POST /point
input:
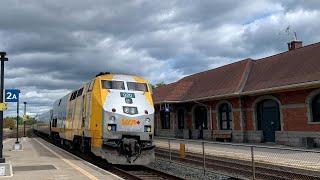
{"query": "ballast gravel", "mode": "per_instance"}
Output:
(185, 171)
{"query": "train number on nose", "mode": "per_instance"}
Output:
(129, 122)
(127, 95)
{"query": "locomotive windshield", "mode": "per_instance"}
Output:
(133, 86)
(113, 84)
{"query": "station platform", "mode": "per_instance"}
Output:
(42, 160)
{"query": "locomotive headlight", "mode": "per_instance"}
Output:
(132, 111)
(109, 128)
(128, 100)
(147, 128)
(112, 127)
(126, 110)
(148, 120)
(112, 119)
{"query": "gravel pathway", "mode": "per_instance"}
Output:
(185, 172)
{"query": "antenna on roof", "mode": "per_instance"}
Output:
(291, 35)
(295, 36)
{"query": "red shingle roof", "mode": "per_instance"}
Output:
(291, 67)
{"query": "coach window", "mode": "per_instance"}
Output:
(91, 86)
(316, 109)
(225, 116)
(79, 93)
(165, 119)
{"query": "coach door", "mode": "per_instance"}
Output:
(268, 119)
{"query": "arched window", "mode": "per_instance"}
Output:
(316, 109)
(225, 117)
(180, 116)
(165, 119)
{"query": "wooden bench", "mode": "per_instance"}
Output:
(224, 136)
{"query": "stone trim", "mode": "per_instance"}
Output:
(295, 138)
(293, 106)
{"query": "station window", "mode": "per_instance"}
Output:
(225, 116)
(316, 109)
(180, 116)
(165, 119)
(112, 84)
(133, 86)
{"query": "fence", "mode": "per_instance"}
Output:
(242, 160)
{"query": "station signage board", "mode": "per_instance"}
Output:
(12, 95)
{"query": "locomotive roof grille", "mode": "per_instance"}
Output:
(102, 73)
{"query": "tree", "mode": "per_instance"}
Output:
(9, 122)
(11, 119)
(160, 84)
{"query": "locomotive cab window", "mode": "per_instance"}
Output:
(112, 84)
(133, 86)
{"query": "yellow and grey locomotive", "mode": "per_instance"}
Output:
(111, 116)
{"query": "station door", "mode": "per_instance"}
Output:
(268, 119)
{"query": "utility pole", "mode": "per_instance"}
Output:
(24, 121)
(2, 59)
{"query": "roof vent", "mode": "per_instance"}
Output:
(102, 73)
(294, 45)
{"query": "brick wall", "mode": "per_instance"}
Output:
(293, 109)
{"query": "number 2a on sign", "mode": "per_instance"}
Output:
(11, 96)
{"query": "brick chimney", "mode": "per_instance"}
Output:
(294, 45)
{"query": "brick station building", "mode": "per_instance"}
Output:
(273, 99)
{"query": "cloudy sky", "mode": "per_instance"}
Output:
(55, 46)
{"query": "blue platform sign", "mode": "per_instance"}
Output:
(12, 95)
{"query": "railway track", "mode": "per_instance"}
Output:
(238, 168)
(142, 172)
(126, 172)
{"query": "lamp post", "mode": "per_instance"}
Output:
(17, 140)
(25, 116)
(2, 59)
